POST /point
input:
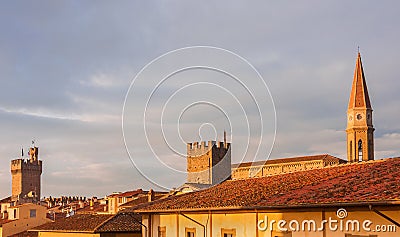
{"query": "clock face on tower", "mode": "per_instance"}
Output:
(359, 116)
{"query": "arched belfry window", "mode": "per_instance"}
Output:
(360, 150)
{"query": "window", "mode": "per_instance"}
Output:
(281, 234)
(32, 213)
(190, 232)
(228, 232)
(162, 231)
(15, 213)
(360, 150)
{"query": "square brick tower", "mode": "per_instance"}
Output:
(208, 163)
(26, 174)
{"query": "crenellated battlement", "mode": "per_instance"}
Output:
(208, 162)
(25, 164)
(200, 148)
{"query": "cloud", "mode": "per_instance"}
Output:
(43, 114)
(102, 80)
(65, 68)
(387, 145)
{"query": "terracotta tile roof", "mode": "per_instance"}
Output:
(24, 204)
(7, 199)
(135, 202)
(97, 207)
(122, 222)
(324, 157)
(142, 199)
(55, 215)
(131, 193)
(373, 181)
(75, 223)
(128, 193)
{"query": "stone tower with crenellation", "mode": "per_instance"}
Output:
(26, 174)
(208, 162)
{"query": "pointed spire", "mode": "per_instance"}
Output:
(359, 93)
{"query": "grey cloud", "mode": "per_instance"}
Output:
(76, 59)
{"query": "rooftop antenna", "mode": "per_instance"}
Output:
(358, 49)
(22, 151)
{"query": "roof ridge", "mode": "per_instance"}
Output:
(120, 217)
(322, 157)
(104, 222)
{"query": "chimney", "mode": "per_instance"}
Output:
(150, 195)
(225, 145)
(33, 154)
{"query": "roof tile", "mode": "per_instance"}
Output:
(350, 183)
(75, 223)
(122, 222)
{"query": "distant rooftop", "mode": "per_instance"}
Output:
(121, 222)
(325, 157)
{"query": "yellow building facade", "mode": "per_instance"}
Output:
(312, 222)
(24, 217)
(283, 166)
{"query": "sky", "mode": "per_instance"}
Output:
(67, 68)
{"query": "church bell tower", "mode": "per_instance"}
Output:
(360, 131)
